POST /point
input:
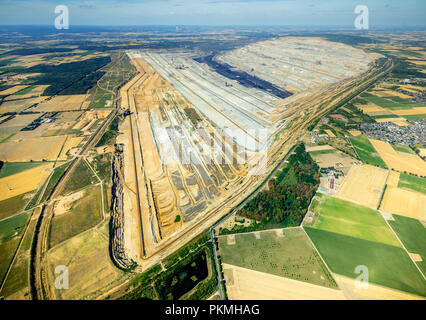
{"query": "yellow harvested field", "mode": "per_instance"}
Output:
(19, 105)
(62, 103)
(32, 149)
(319, 148)
(246, 284)
(412, 111)
(418, 62)
(364, 185)
(393, 179)
(390, 119)
(24, 181)
(399, 161)
(330, 133)
(12, 90)
(354, 132)
(36, 91)
(411, 87)
(404, 202)
(386, 93)
(373, 292)
(422, 152)
(370, 108)
(402, 123)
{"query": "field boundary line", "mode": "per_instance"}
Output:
(382, 194)
(265, 230)
(344, 179)
(421, 272)
(319, 254)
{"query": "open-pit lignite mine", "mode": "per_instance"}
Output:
(196, 142)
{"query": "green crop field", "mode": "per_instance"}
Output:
(290, 255)
(320, 152)
(10, 168)
(13, 205)
(81, 177)
(384, 116)
(4, 137)
(413, 235)
(387, 265)
(402, 148)
(18, 276)
(414, 116)
(412, 182)
(366, 151)
(352, 220)
(10, 231)
(13, 226)
(24, 91)
(54, 178)
(84, 214)
(7, 250)
(391, 104)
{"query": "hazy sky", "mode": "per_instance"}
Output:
(389, 13)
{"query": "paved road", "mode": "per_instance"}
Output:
(234, 211)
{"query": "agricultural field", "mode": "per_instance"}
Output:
(412, 233)
(246, 284)
(87, 258)
(10, 168)
(11, 230)
(281, 252)
(74, 214)
(366, 151)
(348, 235)
(21, 151)
(364, 185)
(333, 158)
(24, 181)
(343, 254)
(353, 291)
(412, 182)
(353, 220)
(392, 104)
(399, 161)
(81, 177)
(402, 148)
(14, 205)
(404, 202)
(16, 285)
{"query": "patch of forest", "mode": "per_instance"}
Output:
(69, 78)
(285, 202)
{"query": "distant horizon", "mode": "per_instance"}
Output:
(318, 13)
(322, 27)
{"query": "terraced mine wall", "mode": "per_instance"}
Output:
(117, 250)
(244, 78)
